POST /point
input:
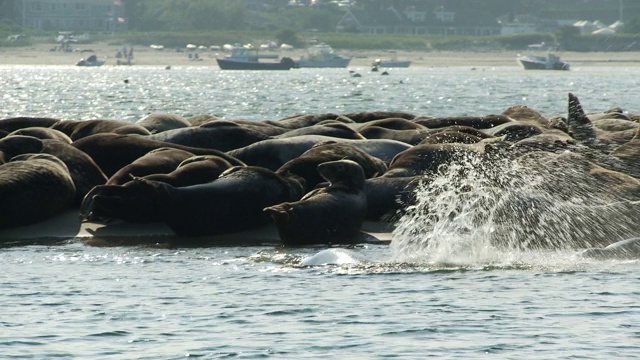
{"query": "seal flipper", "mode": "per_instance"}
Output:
(580, 126)
(279, 213)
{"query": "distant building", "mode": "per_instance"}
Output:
(413, 20)
(522, 24)
(67, 15)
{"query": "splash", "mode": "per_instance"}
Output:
(543, 205)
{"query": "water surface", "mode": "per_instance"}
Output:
(77, 301)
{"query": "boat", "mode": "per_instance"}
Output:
(540, 57)
(248, 59)
(92, 60)
(321, 55)
(394, 63)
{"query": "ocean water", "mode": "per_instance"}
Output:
(453, 297)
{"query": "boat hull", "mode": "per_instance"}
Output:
(90, 64)
(394, 64)
(232, 64)
(538, 65)
(329, 63)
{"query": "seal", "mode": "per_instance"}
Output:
(427, 159)
(306, 165)
(515, 131)
(624, 249)
(450, 136)
(21, 122)
(86, 174)
(112, 151)
(77, 129)
(273, 153)
(300, 121)
(158, 161)
(232, 203)
(580, 126)
(367, 116)
(219, 135)
(159, 122)
(259, 126)
(333, 129)
(478, 122)
(411, 137)
(387, 196)
(42, 133)
(83, 170)
(393, 123)
(331, 215)
(14, 145)
(33, 188)
(194, 170)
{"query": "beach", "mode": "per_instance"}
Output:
(46, 54)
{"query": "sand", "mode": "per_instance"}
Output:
(42, 54)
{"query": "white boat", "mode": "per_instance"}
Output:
(92, 60)
(394, 63)
(540, 57)
(248, 59)
(322, 55)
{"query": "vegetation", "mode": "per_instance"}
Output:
(176, 23)
(337, 40)
(632, 26)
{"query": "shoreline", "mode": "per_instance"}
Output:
(42, 54)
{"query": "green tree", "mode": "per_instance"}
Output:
(566, 35)
(186, 15)
(288, 36)
(632, 26)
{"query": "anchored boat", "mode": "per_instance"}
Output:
(539, 57)
(248, 59)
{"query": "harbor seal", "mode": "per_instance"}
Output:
(159, 122)
(331, 215)
(77, 129)
(21, 122)
(194, 170)
(219, 135)
(42, 133)
(625, 249)
(306, 165)
(158, 161)
(232, 203)
(428, 159)
(112, 151)
(33, 188)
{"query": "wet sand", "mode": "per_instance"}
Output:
(42, 54)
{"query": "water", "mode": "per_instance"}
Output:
(454, 296)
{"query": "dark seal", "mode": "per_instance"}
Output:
(331, 215)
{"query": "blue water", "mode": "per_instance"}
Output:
(77, 301)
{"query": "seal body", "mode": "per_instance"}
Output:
(33, 188)
(624, 249)
(306, 164)
(331, 215)
(231, 203)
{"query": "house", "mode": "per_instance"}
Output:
(86, 15)
(522, 24)
(414, 20)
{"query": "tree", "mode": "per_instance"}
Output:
(288, 36)
(632, 26)
(566, 34)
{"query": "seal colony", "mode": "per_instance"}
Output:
(311, 179)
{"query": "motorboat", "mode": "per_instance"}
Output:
(92, 60)
(242, 58)
(539, 57)
(321, 55)
(394, 63)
